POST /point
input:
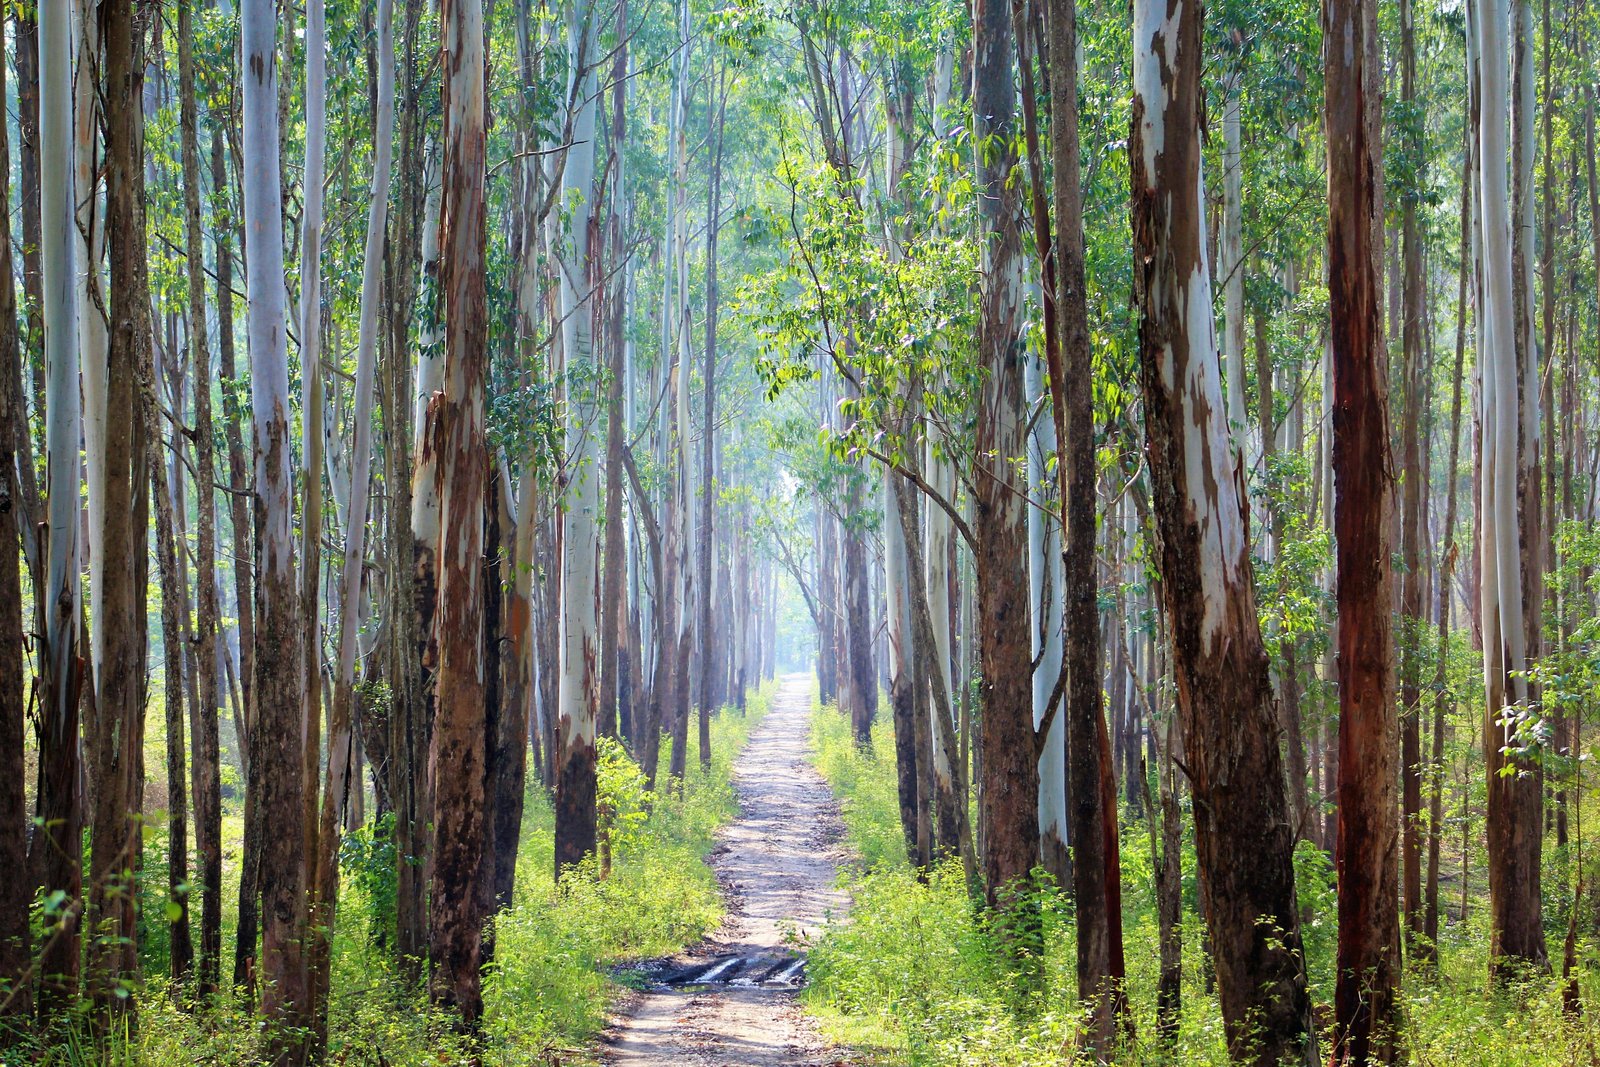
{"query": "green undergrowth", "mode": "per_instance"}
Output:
(917, 975)
(549, 988)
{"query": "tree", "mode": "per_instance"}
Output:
(1243, 839)
(580, 565)
(708, 475)
(15, 456)
(1009, 806)
(1092, 801)
(1515, 818)
(1369, 937)
(116, 726)
(59, 847)
(207, 773)
(341, 778)
(276, 746)
(456, 429)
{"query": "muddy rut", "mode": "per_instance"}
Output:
(732, 1002)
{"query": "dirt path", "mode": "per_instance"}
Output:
(732, 1003)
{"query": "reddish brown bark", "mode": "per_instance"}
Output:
(1415, 476)
(16, 892)
(1008, 808)
(457, 437)
(116, 732)
(203, 716)
(1369, 937)
(1091, 800)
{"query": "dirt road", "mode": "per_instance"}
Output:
(732, 1003)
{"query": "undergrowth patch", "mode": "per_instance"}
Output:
(916, 976)
(547, 990)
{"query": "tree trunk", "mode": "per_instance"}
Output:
(1515, 816)
(408, 706)
(118, 730)
(340, 776)
(1009, 807)
(167, 491)
(207, 775)
(26, 36)
(508, 738)
(704, 545)
(1414, 487)
(457, 439)
(1447, 553)
(314, 439)
(1366, 1019)
(1244, 842)
(16, 896)
(414, 519)
(1092, 802)
(277, 767)
(580, 581)
(613, 659)
(942, 704)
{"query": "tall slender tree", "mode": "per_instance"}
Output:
(60, 846)
(276, 743)
(580, 584)
(16, 953)
(1243, 839)
(1515, 819)
(1008, 808)
(117, 735)
(206, 747)
(457, 439)
(1365, 1000)
(1092, 800)
(341, 775)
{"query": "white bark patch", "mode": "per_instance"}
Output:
(1208, 476)
(1151, 24)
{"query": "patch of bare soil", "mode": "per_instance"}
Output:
(732, 1002)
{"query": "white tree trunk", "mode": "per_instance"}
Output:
(1046, 580)
(1501, 591)
(355, 533)
(58, 253)
(429, 374)
(941, 476)
(312, 418)
(1232, 259)
(578, 699)
(93, 332)
(277, 744)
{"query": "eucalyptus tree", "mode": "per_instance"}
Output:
(59, 847)
(313, 458)
(16, 1002)
(579, 709)
(207, 769)
(1243, 839)
(1008, 809)
(1092, 798)
(340, 777)
(116, 725)
(457, 758)
(1515, 816)
(1365, 1004)
(277, 745)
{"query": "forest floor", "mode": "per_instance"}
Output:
(732, 1002)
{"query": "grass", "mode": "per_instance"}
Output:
(916, 975)
(547, 992)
